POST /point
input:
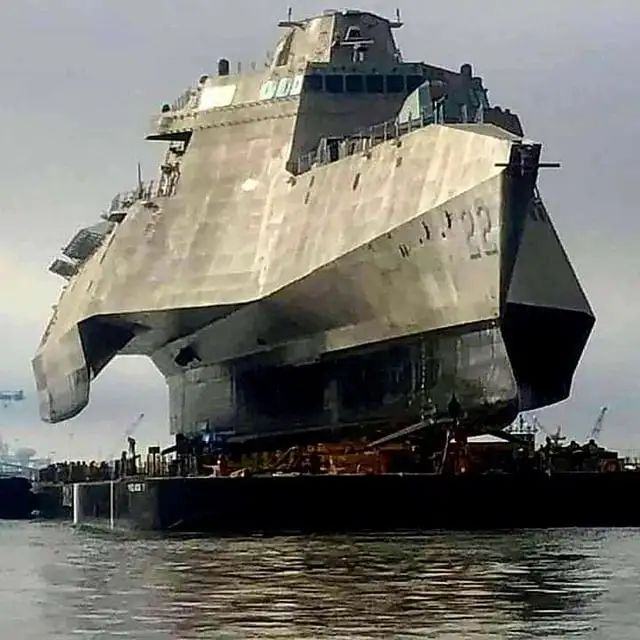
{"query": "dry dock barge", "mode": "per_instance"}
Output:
(484, 482)
(359, 502)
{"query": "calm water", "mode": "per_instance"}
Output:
(60, 583)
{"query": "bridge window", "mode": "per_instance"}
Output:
(334, 84)
(395, 84)
(413, 82)
(313, 82)
(355, 84)
(375, 84)
(267, 92)
(284, 87)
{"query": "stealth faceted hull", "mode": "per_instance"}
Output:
(401, 266)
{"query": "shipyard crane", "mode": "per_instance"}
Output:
(556, 437)
(7, 397)
(598, 424)
(129, 431)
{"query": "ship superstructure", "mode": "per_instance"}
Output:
(341, 238)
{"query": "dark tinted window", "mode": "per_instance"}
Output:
(355, 84)
(375, 84)
(395, 84)
(413, 82)
(333, 148)
(334, 84)
(313, 83)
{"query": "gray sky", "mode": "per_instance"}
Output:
(80, 78)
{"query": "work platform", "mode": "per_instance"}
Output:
(326, 503)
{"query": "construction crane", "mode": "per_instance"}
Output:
(556, 437)
(7, 397)
(598, 424)
(129, 431)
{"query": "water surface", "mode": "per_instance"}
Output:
(61, 583)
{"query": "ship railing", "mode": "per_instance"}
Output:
(165, 187)
(170, 125)
(177, 117)
(630, 459)
(50, 324)
(155, 466)
(187, 100)
(362, 142)
(126, 199)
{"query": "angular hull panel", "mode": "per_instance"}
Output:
(545, 328)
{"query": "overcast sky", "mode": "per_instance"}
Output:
(80, 78)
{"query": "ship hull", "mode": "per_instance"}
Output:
(357, 296)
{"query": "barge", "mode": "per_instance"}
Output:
(487, 482)
(346, 503)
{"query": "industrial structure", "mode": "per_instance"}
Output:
(9, 397)
(340, 242)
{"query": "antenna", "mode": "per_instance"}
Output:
(398, 22)
(139, 180)
(289, 22)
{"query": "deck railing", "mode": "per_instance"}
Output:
(187, 100)
(123, 201)
(361, 142)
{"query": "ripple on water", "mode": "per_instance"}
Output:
(60, 583)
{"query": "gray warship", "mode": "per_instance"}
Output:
(340, 239)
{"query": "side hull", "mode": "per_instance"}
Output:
(360, 502)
